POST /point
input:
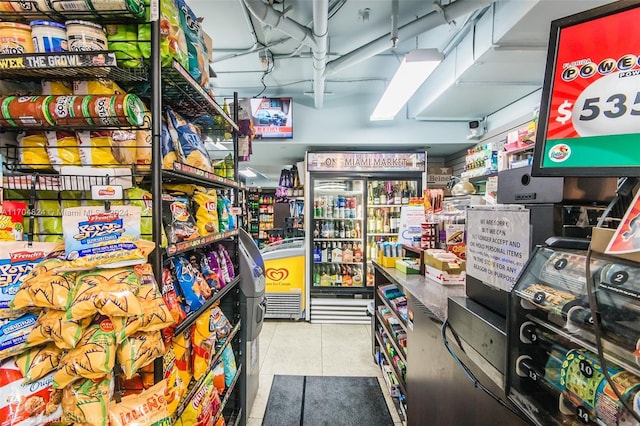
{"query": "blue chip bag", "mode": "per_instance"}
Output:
(14, 333)
(195, 290)
(229, 364)
(169, 155)
(187, 143)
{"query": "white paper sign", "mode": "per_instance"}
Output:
(411, 219)
(497, 244)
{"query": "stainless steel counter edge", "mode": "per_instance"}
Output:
(431, 294)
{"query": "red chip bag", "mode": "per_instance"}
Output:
(171, 297)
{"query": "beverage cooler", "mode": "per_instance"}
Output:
(357, 200)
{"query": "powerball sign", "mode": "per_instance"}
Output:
(594, 110)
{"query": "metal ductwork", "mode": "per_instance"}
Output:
(317, 39)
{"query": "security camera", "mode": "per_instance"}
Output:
(476, 129)
(474, 124)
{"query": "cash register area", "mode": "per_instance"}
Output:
(301, 348)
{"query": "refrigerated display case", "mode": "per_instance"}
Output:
(357, 200)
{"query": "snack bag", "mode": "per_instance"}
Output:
(218, 264)
(13, 334)
(25, 403)
(12, 221)
(46, 288)
(123, 146)
(50, 216)
(155, 313)
(170, 296)
(203, 341)
(187, 142)
(223, 215)
(86, 402)
(110, 292)
(53, 326)
(139, 350)
(109, 239)
(96, 148)
(169, 155)
(218, 377)
(94, 356)
(140, 198)
(198, 59)
(50, 87)
(17, 259)
(62, 148)
(99, 86)
(211, 277)
(220, 323)
(200, 411)
(176, 388)
(123, 38)
(229, 363)
(206, 211)
(38, 361)
(194, 288)
(178, 220)
(225, 261)
(32, 148)
(146, 409)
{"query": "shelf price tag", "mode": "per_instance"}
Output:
(106, 192)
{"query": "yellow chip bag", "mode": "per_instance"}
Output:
(32, 148)
(94, 356)
(38, 361)
(100, 86)
(155, 313)
(202, 408)
(62, 148)
(95, 237)
(203, 339)
(146, 409)
(86, 403)
(42, 288)
(53, 326)
(144, 142)
(123, 146)
(206, 211)
(138, 351)
(96, 148)
(50, 87)
(111, 292)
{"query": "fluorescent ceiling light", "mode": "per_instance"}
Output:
(414, 69)
(248, 173)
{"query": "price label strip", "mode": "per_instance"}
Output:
(594, 110)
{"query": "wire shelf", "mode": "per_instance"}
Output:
(62, 10)
(71, 66)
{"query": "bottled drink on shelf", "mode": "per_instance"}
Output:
(324, 253)
(357, 253)
(334, 274)
(316, 230)
(371, 220)
(378, 226)
(357, 276)
(342, 205)
(338, 276)
(317, 255)
(369, 193)
(336, 253)
(356, 230)
(342, 230)
(405, 194)
(325, 278)
(383, 195)
(347, 280)
(376, 193)
(386, 223)
(397, 195)
(316, 275)
(347, 253)
(369, 275)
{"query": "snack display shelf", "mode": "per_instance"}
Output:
(191, 99)
(66, 182)
(234, 418)
(384, 300)
(399, 349)
(197, 243)
(401, 383)
(68, 66)
(337, 239)
(227, 393)
(184, 173)
(29, 11)
(188, 322)
(195, 385)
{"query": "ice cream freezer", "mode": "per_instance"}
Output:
(284, 263)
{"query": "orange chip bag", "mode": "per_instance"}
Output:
(203, 340)
(39, 361)
(94, 356)
(111, 292)
(138, 351)
(87, 403)
(51, 289)
(53, 326)
(146, 409)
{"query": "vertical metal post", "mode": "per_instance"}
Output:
(156, 165)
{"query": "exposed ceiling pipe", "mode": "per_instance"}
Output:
(395, 11)
(428, 22)
(317, 39)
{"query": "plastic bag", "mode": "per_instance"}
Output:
(123, 38)
(13, 334)
(211, 277)
(198, 58)
(206, 211)
(200, 411)
(187, 142)
(229, 363)
(96, 148)
(221, 324)
(12, 221)
(123, 146)
(53, 326)
(139, 350)
(225, 261)
(146, 409)
(32, 147)
(178, 220)
(155, 313)
(62, 148)
(171, 297)
(38, 361)
(49, 216)
(193, 287)
(203, 340)
(169, 155)
(46, 288)
(86, 402)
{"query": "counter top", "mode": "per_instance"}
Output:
(431, 294)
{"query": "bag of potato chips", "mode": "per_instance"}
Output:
(13, 335)
(46, 288)
(112, 292)
(32, 147)
(96, 148)
(155, 313)
(200, 411)
(148, 408)
(94, 356)
(53, 326)
(203, 342)
(206, 211)
(86, 402)
(139, 350)
(193, 287)
(187, 142)
(38, 361)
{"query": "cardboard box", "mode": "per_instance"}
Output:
(443, 277)
(388, 262)
(408, 266)
(452, 267)
(600, 238)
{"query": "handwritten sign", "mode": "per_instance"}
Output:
(497, 244)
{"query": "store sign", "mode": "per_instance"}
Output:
(409, 162)
(60, 60)
(411, 220)
(497, 244)
(438, 176)
(594, 106)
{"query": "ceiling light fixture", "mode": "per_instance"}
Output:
(414, 69)
(248, 173)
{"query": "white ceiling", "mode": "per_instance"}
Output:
(494, 57)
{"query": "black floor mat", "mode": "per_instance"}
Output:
(320, 400)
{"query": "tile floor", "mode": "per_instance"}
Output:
(302, 348)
